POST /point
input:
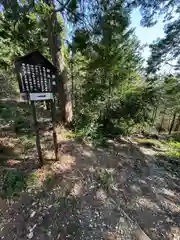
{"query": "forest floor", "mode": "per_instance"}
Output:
(128, 189)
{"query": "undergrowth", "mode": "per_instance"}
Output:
(104, 178)
(14, 182)
(169, 158)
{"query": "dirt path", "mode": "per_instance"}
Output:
(153, 196)
(97, 194)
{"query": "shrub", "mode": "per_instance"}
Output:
(14, 183)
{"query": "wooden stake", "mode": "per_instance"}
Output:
(53, 111)
(38, 144)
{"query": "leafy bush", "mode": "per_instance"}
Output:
(116, 115)
(8, 83)
(14, 183)
(173, 148)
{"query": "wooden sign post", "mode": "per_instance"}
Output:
(37, 82)
(54, 129)
(38, 143)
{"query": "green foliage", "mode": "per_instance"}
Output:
(173, 144)
(111, 96)
(173, 148)
(174, 153)
(175, 137)
(8, 83)
(14, 183)
(168, 156)
(13, 43)
(117, 113)
(147, 140)
(165, 116)
(16, 115)
(23, 29)
(166, 49)
(152, 10)
(32, 180)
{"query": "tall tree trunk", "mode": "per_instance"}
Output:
(161, 124)
(177, 124)
(154, 115)
(172, 122)
(57, 59)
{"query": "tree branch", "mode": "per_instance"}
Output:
(172, 65)
(63, 6)
(68, 9)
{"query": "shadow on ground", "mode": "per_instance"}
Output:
(92, 193)
(72, 202)
(17, 134)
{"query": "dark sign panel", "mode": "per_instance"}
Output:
(36, 74)
(35, 79)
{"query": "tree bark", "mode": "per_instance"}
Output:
(177, 124)
(172, 123)
(154, 115)
(57, 59)
(161, 124)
